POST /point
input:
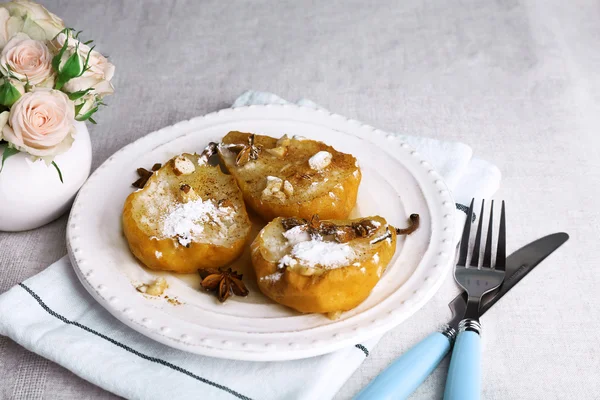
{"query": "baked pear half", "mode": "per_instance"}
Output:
(188, 216)
(322, 266)
(291, 177)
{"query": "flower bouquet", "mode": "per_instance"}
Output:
(49, 79)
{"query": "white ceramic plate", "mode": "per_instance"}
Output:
(396, 182)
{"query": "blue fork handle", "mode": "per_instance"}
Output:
(464, 374)
(405, 374)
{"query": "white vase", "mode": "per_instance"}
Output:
(31, 193)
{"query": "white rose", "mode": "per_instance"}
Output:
(41, 123)
(37, 21)
(27, 59)
(9, 26)
(3, 121)
(100, 71)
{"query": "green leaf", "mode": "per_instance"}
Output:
(9, 71)
(92, 120)
(58, 170)
(87, 115)
(77, 95)
(8, 94)
(8, 152)
(87, 61)
(58, 57)
(72, 68)
(88, 42)
(78, 108)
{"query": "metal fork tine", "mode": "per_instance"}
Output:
(487, 256)
(501, 252)
(464, 241)
(477, 247)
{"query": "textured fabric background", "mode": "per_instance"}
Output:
(516, 79)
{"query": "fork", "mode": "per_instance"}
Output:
(464, 374)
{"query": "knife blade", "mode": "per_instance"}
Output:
(406, 373)
(518, 265)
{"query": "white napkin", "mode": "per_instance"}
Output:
(51, 314)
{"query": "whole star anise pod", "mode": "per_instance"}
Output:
(247, 152)
(223, 282)
(144, 175)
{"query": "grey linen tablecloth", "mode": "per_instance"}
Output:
(517, 80)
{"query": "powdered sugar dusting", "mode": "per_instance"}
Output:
(312, 253)
(185, 221)
(296, 235)
(272, 278)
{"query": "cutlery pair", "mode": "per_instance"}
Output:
(405, 374)
(464, 375)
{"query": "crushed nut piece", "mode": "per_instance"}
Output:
(155, 288)
(288, 188)
(273, 188)
(187, 193)
(320, 160)
(283, 141)
(279, 151)
(183, 166)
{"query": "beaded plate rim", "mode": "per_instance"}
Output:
(431, 277)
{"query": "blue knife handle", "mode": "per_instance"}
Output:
(464, 374)
(405, 374)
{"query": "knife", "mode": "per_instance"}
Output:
(405, 374)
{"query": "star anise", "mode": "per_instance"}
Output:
(223, 282)
(144, 175)
(247, 152)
